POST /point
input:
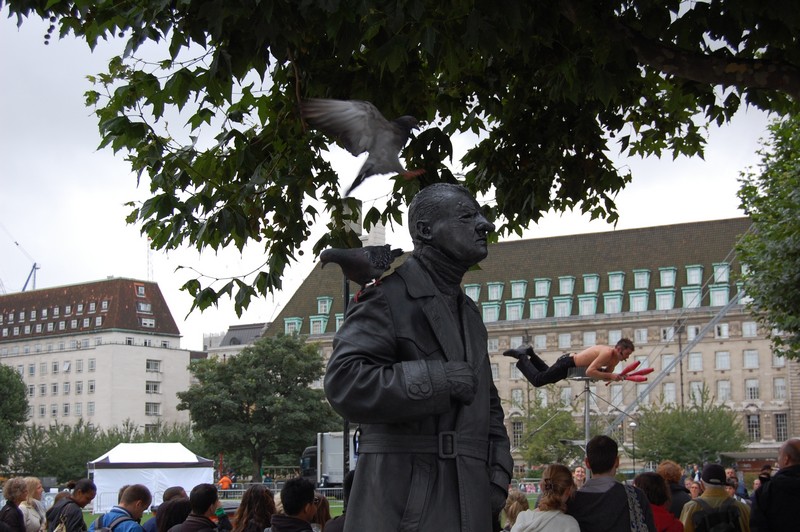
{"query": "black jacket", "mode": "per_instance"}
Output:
(776, 504)
(195, 523)
(12, 516)
(680, 496)
(286, 523)
(72, 513)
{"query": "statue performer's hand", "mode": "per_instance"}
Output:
(462, 381)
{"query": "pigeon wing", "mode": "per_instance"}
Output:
(355, 124)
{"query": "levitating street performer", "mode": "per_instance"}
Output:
(599, 361)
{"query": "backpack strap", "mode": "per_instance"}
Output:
(119, 520)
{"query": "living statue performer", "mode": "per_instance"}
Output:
(410, 364)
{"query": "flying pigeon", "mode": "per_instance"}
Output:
(360, 127)
(362, 265)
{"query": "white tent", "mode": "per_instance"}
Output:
(156, 465)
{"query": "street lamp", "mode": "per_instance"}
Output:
(633, 426)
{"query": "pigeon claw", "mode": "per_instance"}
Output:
(408, 175)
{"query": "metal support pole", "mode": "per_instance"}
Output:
(346, 428)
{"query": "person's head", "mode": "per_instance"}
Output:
(687, 483)
(789, 453)
(35, 488)
(730, 472)
(15, 490)
(713, 476)
(624, 348)
(654, 487)
(323, 514)
(136, 499)
(670, 471)
(203, 499)
(730, 487)
(174, 492)
(257, 508)
(695, 489)
(556, 487)
(447, 217)
(84, 492)
(120, 492)
(579, 475)
(172, 512)
(602, 455)
(298, 499)
(516, 503)
(756, 483)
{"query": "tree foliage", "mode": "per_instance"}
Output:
(545, 424)
(552, 87)
(260, 402)
(692, 434)
(13, 410)
(772, 249)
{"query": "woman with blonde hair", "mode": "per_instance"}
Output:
(556, 486)
(32, 507)
(516, 503)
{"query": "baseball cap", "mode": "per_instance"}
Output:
(714, 474)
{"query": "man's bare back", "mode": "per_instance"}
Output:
(600, 361)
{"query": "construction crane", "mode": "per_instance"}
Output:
(32, 273)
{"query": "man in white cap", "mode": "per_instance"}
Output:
(715, 503)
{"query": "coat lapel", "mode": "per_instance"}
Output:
(474, 332)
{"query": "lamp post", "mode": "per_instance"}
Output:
(633, 426)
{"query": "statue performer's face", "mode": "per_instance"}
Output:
(460, 229)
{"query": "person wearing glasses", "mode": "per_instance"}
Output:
(300, 503)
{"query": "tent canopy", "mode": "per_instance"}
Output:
(156, 465)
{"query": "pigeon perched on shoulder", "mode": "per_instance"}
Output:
(360, 127)
(362, 265)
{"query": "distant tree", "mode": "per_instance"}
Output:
(554, 88)
(771, 250)
(692, 434)
(545, 424)
(260, 402)
(13, 410)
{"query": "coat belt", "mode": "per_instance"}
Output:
(447, 444)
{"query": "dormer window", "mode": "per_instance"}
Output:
(616, 280)
(591, 283)
(518, 289)
(668, 276)
(495, 291)
(641, 279)
(694, 274)
(541, 287)
(473, 291)
(721, 272)
(566, 285)
(324, 305)
(139, 290)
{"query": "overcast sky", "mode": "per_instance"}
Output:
(62, 200)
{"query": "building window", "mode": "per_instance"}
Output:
(78, 409)
(694, 274)
(54, 367)
(491, 312)
(65, 388)
(564, 340)
(517, 398)
(42, 410)
(566, 285)
(153, 366)
(62, 325)
(667, 334)
(493, 345)
(566, 395)
(667, 275)
(92, 364)
(721, 272)
(90, 408)
(616, 280)
(589, 338)
(754, 427)
(516, 433)
(750, 360)
(691, 296)
(42, 390)
(696, 391)
(165, 344)
(749, 329)
(644, 398)
(641, 279)
(513, 372)
(591, 283)
(495, 291)
(562, 306)
(778, 361)
(139, 290)
(614, 336)
(31, 369)
(67, 310)
(616, 395)
(779, 388)
(53, 410)
(318, 324)
(324, 305)
(695, 362)
(150, 323)
(665, 298)
(638, 300)
(292, 325)
(538, 308)
(152, 387)
(692, 332)
(104, 305)
(541, 287)
(587, 304)
(79, 366)
(723, 391)
(473, 291)
(143, 306)
(722, 330)
(495, 371)
(541, 395)
(540, 341)
(65, 409)
(78, 387)
(92, 307)
(31, 390)
(751, 389)
(719, 295)
(513, 310)
(722, 360)
(50, 326)
(339, 320)
(640, 336)
(781, 427)
(612, 303)
(90, 387)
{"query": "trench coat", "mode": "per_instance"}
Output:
(425, 462)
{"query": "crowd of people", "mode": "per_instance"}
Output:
(297, 508)
(665, 500)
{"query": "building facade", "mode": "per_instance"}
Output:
(105, 352)
(659, 286)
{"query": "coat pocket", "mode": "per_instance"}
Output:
(423, 475)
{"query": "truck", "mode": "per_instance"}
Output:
(322, 463)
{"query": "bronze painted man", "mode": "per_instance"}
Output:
(410, 364)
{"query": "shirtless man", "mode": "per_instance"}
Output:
(599, 361)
